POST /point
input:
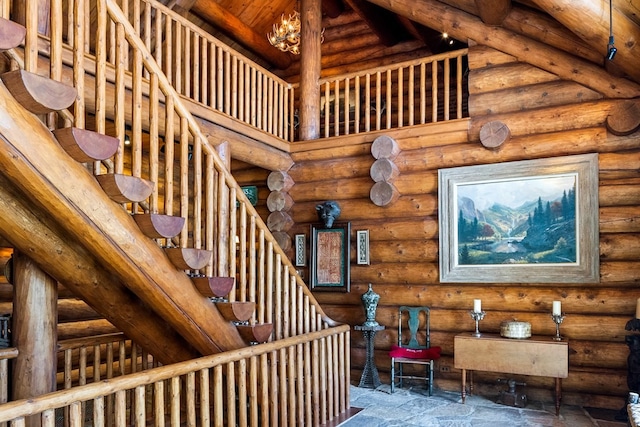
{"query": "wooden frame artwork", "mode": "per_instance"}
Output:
(300, 248)
(330, 257)
(532, 221)
(362, 245)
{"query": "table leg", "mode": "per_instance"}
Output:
(558, 394)
(464, 385)
(471, 382)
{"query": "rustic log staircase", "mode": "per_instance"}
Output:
(200, 277)
(41, 96)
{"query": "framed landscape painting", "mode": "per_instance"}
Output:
(532, 221)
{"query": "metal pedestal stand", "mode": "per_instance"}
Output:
(370, 377)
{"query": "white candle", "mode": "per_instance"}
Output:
(638, 309)
(477, 306)
(556, 308)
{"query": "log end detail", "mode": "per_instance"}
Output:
(125, 188)
(493, 134)
(258, 333)
(279, 221)
(279, 201)
(385, 147)
(38, 94)
(383, 193)
(86, 145)
(624, 118)
(157, 226)
(11, 34)
(236, 311)
(189, 258)
(384, 170)
(213, 287)
(283, 239)
(279, 181)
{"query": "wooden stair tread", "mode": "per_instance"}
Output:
(236, 311)
(255, 333)
(157, 226)
(38, 94)
(125, 188)
(216, 287)
(11, 34)
(189, 258)
(86, 145)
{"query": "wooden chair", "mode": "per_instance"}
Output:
(413, 348)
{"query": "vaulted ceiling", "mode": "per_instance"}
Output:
(359, 31)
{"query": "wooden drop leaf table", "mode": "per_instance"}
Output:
(538, 356)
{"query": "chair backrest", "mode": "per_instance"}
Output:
(411, 320)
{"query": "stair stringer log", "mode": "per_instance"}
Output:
(32, 232)
(34, 162)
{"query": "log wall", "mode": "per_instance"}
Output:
(547, 117)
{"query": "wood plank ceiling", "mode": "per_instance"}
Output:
(366, 31)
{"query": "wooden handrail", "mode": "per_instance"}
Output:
(331, 345)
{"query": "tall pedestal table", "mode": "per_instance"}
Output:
(539, 356)
(370, 377)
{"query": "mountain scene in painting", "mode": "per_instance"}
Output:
(517, 223)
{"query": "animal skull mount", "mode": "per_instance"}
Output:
(328, 212)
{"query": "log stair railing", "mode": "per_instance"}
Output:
(41, 95)
(257, 254)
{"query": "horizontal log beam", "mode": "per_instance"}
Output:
(462, 26)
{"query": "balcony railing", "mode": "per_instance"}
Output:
(425, 90)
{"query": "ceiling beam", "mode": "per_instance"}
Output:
(589, 20)
(384, 24)
(434, 40)
(493, 12)
(332, 8)
(221, 18)
(463, 26)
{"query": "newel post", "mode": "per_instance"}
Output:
(34, 332)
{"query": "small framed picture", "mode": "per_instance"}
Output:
(301, 250)
(362, 239)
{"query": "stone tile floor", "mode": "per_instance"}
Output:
(413, 407)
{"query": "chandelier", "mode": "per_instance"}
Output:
(286, 35)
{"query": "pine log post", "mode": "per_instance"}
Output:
(493, 134)
(224, 151)
(310, 67)
(34, 331)
(624, 118)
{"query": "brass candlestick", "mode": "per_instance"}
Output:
(557, 318)
(477, 316)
